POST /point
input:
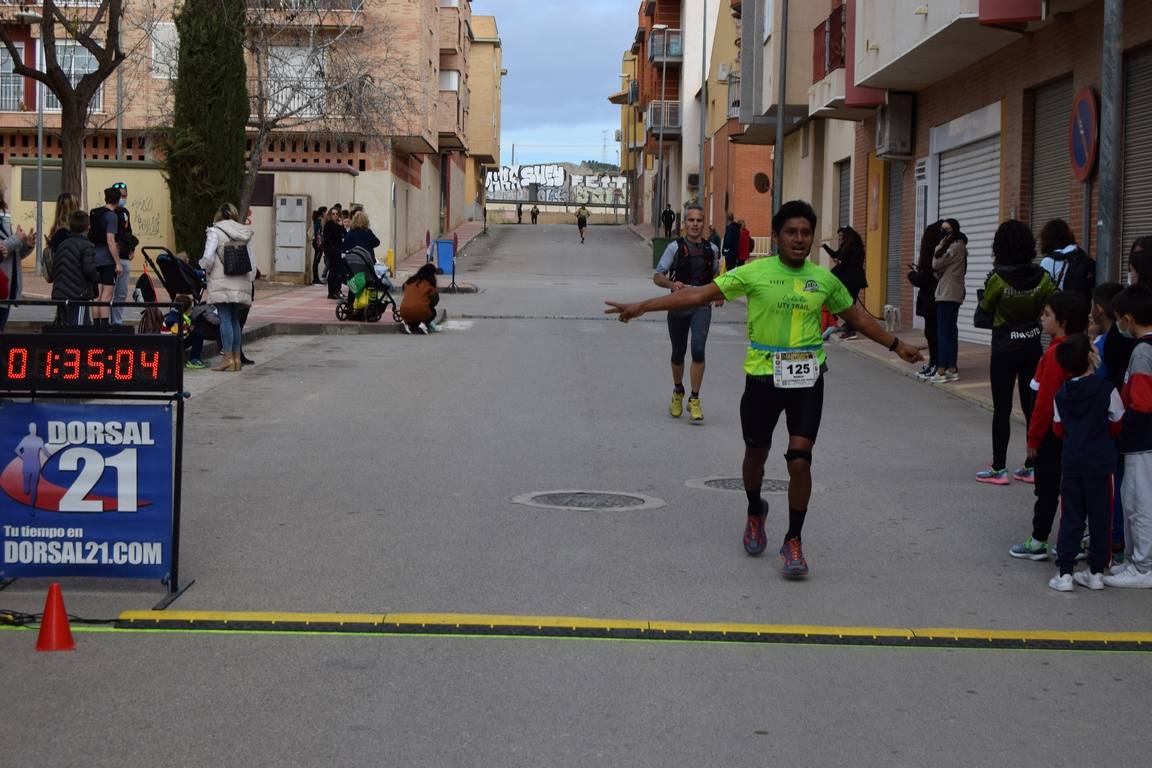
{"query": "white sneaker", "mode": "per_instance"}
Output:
(1061, 583)
(1130, 578)
(1088, 579)
(1117, 568)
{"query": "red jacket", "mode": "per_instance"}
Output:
(1049, 376)
(745, 245)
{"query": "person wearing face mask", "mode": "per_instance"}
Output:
(949, 263)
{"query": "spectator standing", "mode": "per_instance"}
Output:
(228, 292)
(744, 251)
(1140, 262)
(102, 231)
(730, 246)
(361, 235)
(924, 279)
(535, 213)
(333, 238)
(1064, 314)
(668, 219)
(1070, 268)
(14, 246)
(1133, 310)
(318, 219)
(74, 275)
(1010, 305)
(849, 268)
(126, 243)
(950, 264)
(519, 212)
(1113, 351)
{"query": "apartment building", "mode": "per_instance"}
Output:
(485, 78)
(991, 112)
(412, 176)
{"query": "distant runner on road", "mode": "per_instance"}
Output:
(582, 220)
(785, 364)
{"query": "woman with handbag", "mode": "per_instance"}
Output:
(14, 246)
(228, 266)
(1010, 304)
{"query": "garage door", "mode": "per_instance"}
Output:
(1051, 166)
(1136, 218)
(970, 193)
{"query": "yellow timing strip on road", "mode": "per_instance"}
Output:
(630, 629)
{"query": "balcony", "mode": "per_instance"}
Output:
(450, 120)
(663, 117)
(450, 27)
(829, 44)
(830, 68)
(907, 45)
(660, 40)
(306, 14)
(294, 98)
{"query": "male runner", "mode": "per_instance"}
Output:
(785, 363)
(582, 215)
(688, 261)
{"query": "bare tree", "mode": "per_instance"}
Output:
(319, 74)
(96, 29)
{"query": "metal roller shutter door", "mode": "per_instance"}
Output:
(970, 193)
(1136, 213)
(1051, 166)
(844, 204)
(896, 172)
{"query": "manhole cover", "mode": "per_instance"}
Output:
(588, 500)
(769, 485)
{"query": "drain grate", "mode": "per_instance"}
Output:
(588, 500)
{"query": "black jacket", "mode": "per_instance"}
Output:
(74, 274)
(333, 237)
(925, 280)
(1089, 449)
(850, 269)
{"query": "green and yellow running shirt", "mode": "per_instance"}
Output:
(784, 306)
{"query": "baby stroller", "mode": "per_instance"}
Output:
(180, 277)
(369, 290)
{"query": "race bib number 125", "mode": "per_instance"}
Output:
(795, 370)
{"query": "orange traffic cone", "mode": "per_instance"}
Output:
(55, 634)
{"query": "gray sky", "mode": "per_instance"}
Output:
(563, 61)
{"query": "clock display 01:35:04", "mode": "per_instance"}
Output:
(76, 364)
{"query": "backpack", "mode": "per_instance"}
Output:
(124, 237)
(1078, 275)
(95, 215)
(682, 259)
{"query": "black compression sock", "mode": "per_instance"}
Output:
(756, 505)
(795, 523)
(678, 388)
(694, 396)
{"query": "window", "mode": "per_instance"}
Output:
(165, 50)
(76, 61)
(11, 86)
(449, 80)
(295, 81)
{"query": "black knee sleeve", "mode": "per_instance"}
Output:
(795, 455)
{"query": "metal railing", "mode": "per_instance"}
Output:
(294, 96)
(306, 5)
(675, 46)
(11, 92)
(829, 44)
(663, 115)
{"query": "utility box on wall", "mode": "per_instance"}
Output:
(894, 126)
(293, 228)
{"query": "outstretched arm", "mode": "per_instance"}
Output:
(684, 298)
(859, 320)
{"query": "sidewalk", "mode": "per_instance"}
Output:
(279, 307)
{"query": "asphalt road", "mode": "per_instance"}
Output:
(377, 474)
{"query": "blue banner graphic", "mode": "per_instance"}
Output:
(85, 490)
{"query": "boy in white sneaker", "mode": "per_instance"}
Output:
(1133, 311)
(1086, 416)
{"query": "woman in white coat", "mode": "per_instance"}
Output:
(227, 292)
(14, 246)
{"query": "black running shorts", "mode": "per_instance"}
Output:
(762, 404)
(107, 274)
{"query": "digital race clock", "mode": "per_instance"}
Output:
(91, 363)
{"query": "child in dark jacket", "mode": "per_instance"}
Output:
(1064, 314)
(1086, 416)
(74, 274)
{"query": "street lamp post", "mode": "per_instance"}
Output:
(663, 29)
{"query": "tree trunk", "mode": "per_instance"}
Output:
(73, 129)
(255, 160)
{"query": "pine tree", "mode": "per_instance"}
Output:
(205, 146)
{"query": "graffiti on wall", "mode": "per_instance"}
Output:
(552, 183)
